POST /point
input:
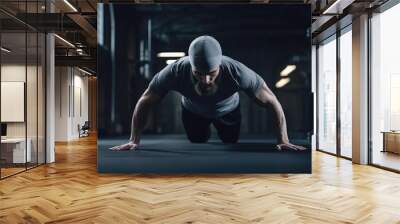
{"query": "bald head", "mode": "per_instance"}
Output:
(205, 54)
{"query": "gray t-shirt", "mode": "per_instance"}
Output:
(233, 77)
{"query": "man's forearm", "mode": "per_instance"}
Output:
(280, 119)
(139, 119)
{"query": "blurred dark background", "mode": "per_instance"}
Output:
(266, 38)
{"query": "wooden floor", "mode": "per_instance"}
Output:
(8, 171)
(5, 172)
(71, 191)
(387, 159)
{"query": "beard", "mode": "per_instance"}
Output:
(203, 90)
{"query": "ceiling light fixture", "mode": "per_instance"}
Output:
(84, 71)
(337, 7)
(289, 69)
(5, 50)
(170, 54)
(170, 61)
(70, 5)
(64, 40)
(281, 83)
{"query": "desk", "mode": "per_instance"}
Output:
(13, 150)
(391, 141)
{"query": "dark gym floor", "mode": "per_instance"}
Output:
(175, 154)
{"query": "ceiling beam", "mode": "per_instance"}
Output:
(80, 20)
(86, 26)
(85, 61)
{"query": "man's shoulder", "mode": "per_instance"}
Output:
(230, 63)
(228, 60)
(237, 69)
(177, 68)
(182, 63)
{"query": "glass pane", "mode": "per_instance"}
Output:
(32, 95)
(346, 94)
(23, 82)
(385, 84)
(41, 98)
(14, 153)
(327, 96)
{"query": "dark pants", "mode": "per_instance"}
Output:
(198, 128)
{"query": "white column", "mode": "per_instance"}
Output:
(50, 92)
(360, 90)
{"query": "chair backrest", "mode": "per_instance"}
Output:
(86, 124)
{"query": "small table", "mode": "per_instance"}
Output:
(13, 150)
(391, 141)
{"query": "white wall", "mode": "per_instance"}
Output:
(71, 93)
(80, 89)
(61, 103)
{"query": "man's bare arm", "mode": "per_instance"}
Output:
(139, 119)
(266, 98)
(140, 114)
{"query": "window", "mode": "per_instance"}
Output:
(346, 93)
(385, 88)
(327, 96)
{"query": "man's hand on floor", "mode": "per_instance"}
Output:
(289, 146)
(127, 146)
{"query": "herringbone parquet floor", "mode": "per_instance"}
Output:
(71, 191)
